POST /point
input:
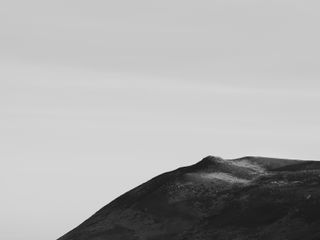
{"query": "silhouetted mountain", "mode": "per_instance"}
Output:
(248, 198)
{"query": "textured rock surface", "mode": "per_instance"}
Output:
(246, 198)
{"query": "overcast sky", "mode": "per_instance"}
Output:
(97, 97)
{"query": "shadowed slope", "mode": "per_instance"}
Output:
(245, 198)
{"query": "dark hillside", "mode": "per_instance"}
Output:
(246, 198)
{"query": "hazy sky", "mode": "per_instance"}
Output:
(97, 97)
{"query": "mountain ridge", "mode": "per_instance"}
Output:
(248, 198)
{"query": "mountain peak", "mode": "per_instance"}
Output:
(243, 198)
(209, 161)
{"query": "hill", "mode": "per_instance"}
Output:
(245, 199)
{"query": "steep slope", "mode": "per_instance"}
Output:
(245, 198)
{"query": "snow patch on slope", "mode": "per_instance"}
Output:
(247, 164)
(223, 177)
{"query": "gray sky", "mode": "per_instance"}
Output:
(97, 97)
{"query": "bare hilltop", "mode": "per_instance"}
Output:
(247, 198)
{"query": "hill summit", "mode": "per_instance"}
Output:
(248, 198)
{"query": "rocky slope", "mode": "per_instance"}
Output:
(241, 199)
